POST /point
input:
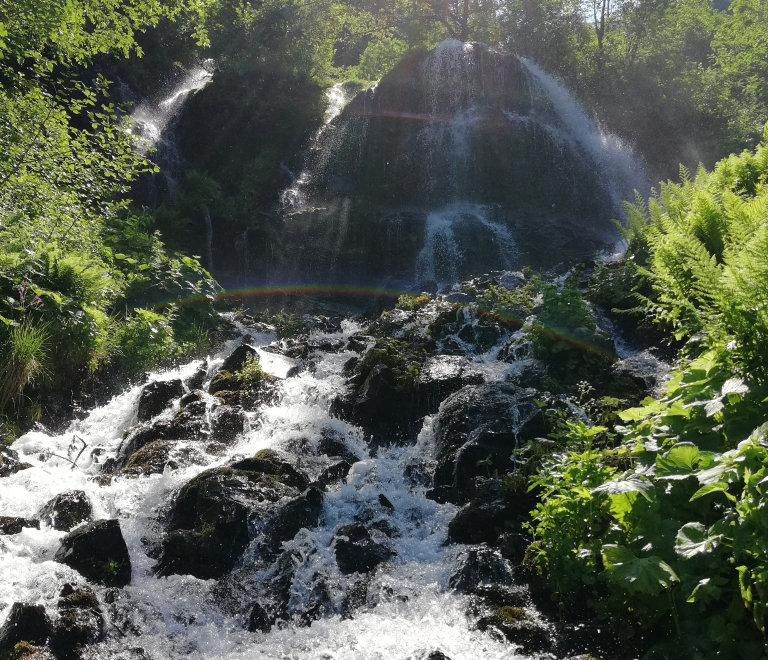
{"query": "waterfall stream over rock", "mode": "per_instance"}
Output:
(462, 126)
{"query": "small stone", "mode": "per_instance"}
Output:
(66, 510)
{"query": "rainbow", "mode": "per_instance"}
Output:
(503, 318)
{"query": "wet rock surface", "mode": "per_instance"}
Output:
(356, 551)
(98, 552)
(66, 510)
(10, 525)
(156, 397)
(80, 622)
(10, 463)
(25, 622)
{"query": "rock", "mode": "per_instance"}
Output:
(441, 376)
(227, 423)
(196, 380)
(237, 359)
(10, 525)
(184, 426)
(277, 365)
(477, 566)
(334, 474)
(390, 324)
(156, 396)
(482, 520)
(191, 397)
(477, 429)
(360, 343)
(80, 622)
(98, 552)
(435, 654)
(332, 444)
(513, 546)
(66, 510)
(151, 459)
(10, 463)
(482, 336)
(356, 551)
(304, 511)
(213, 515)
(384, 501)
(25, 623)
(259, 620)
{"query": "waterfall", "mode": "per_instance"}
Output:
(617, 163)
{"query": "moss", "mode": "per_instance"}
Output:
(412, 303)
(267, 455)
(511, 614)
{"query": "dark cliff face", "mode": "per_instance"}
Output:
(452, 153)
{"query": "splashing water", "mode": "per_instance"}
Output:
(409, 606)
(441, 258)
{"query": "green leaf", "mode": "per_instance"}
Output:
(649, 575)
(716, 487)
(692, 540)
(678, 462)
(631, 485)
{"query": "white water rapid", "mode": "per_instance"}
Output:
(410, 607)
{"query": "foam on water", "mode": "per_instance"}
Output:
(409, 607)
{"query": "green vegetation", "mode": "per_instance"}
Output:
(84, 281)
(403, 357)
(412, 303)
(659, 525)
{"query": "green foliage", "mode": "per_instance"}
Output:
(404, 358)
(412, 303)
(379, 57)
(666, 530)
(251, 374)
(518, 303)
(147, 341)
(24, 357)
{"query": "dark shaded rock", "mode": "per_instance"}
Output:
(66, 510)
(184, 426)
(482, 520)
(10, 463)
(259, 620)
(477, 429)
(384, 501)
(10, 525)
(388, 325)
(304, 511)
(98, 552)
(385, 527)
(332, 444)
(80, 622)
(430, 655)
(441, 376)
(156, 396)
(237, 359)
(191, 397)
(151, 459)
(478, 566)
(270, 464)
(196, 380)
(334, 474)
(356, 551)
(25, 623)
(516, 626)
(214, 514)
(227, 423)
(513, 546)
(360, 343)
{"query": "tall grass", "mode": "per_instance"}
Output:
(24, 360)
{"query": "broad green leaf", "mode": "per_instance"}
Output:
(734, 386)
(630, 485)
(716, 487)
(649, 575)
(692, 540)
(678, 462)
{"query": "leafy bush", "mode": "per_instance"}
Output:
(412, 303)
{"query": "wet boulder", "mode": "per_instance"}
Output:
(237, 359)
(441, 376)
(335, 473)
(356, 551)
(66, 510)
(80, 622)
(481, 336)
(483, 519)
(215, 514)
(259, 619)
(196, 380)
(227, 423)
(10, 463)
(479, 565)
(300, 512)
(98, 552)
(477, 429)
(333, 444)
(25, 623)
(151, 459)
(156, 396)
(10, 525)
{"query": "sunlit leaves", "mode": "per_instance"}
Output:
(648, 575)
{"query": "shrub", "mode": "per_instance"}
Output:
(24, 359)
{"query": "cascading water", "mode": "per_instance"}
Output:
(408, 607)
(467, 126)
